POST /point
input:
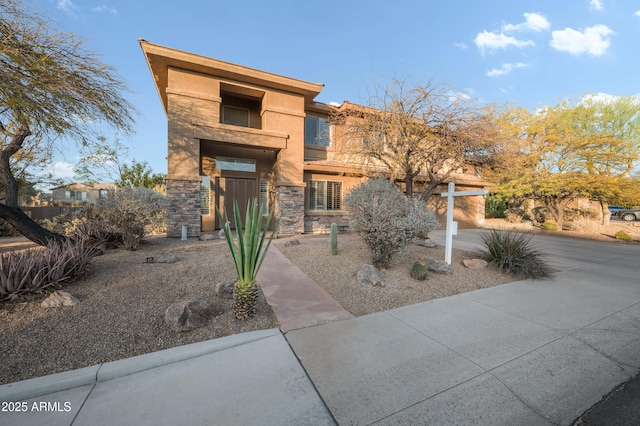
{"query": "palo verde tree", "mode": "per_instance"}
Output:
(416, 132)
(608, 130)
(555, 155)
(52, 88)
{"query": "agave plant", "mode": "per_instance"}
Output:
(248, 253)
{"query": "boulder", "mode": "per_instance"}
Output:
(370, 276)
(224, 289)
(188, 315)
(475, 263)
(429, 243)
(438, 266)
(58, 299)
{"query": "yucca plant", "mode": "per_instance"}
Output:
(512, 252)
(248, 254)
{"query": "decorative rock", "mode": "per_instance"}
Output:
(292, 243)
(425, 243)
(208, 237)
(475, 263)
(370, 276)
(59, 298)
(438, 266)
(224, 290)
(167, 258)
(188, 315)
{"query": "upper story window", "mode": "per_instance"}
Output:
(317, 131)
(235, 116)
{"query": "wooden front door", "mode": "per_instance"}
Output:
(229, 190)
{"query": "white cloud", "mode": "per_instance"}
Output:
(63, 170)
(65, 5)
(596, 5)
(492, 41)
(533, 22)
(505, 69)
(105, 9)
(594, 40)
(462, 46)
(637, 13)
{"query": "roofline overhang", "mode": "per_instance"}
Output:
(161, 58)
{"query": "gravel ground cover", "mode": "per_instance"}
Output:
(123, 298)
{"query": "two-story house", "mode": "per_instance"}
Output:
(235, 133)
(78, 193)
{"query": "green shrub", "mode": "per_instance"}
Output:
(550, 226)
(514, 215)
(419, 271)
(386, 219)
(494, 207)
(623, 235)
(512, 252)
(34, 270)
(130, 210)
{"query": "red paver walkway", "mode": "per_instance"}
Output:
(296, 300)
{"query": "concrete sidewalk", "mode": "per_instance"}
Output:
(524, 353)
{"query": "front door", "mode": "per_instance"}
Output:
(229, 190)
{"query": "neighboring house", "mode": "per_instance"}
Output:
(78, 193)
(235, 133)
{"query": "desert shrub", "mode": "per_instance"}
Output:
(494, 207)
(541, 214)
(94, 231)
(6, 230)
(623, 235)
(386, 219)
(550, 226)
(418, 271)
(514, 215)
(586, 225)
(512, 252)
(130, 210)
(33, 270)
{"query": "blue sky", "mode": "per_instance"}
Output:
(528, 53)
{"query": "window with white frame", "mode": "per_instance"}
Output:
(205, 196)
(325, 195)
(81, 196)
(317, 131)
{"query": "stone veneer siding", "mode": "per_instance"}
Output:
(184, 207)
(320, 224)
(290, 205)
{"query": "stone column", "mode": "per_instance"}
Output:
(184, 207)
(290, 209)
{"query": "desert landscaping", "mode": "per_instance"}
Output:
(124, 294)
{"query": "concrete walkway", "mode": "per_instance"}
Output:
(524, 353)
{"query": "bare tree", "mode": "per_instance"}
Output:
(415, 133)
(52, 88)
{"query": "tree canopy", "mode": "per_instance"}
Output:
(52, 88)
(417, 131)
(585, 148)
